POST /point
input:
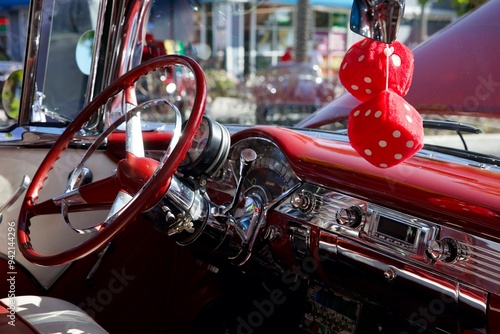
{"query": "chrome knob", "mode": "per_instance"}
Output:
(304, 201)
(390, 274)
(273, 233)
(438, 250)
(350, 217)
(247, 158)
(447, 250)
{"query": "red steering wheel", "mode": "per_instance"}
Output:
(143, 179)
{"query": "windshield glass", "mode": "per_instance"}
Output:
(275, 62)
(61, 81)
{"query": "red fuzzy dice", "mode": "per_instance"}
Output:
(386, 130)
(363, 70)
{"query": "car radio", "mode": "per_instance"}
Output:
(400, 231)
(385, 229)
(396, 232)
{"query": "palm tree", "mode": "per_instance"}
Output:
(422, 36)
(303, 29)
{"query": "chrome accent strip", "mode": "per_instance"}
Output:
(31, 59)
(98, 262)
(87, 230)
(121, 200)
(22, 187)
(94, 68)
(328, 247)
(410, 273)
(482, 265)
(473, 306)
(128, 19)
(71, 197)
(125, 22)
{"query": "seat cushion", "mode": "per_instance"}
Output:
(52, 315)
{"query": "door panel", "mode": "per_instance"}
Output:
(49, 233)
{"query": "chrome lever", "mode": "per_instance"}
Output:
(96, 265)
(24, 185)
(247, 158)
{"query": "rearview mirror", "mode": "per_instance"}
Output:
(377, 19)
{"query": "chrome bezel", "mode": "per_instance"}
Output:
(426, 231)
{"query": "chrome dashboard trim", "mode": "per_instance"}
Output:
(472, 302)
(480, 267)
(37, 10)
(427, 230)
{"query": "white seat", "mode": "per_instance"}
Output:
(51, 315)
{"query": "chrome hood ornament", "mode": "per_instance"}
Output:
(377, 19)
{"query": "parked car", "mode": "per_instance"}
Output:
(110, 224)
(288, 91)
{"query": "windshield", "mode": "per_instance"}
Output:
(60, 79)
(272, 62)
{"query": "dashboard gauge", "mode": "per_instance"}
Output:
(208, 150)
(270, 171)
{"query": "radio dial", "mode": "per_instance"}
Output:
(350, 217)
(304, 201)
(447, 250)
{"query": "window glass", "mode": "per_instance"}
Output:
(60, 80)
(322, 19)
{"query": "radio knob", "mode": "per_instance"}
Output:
(304, 201)
(350, 217)
(447, 250)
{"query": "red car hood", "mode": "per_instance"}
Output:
(456, 72)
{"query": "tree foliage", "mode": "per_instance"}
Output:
(464, 6)
(461, 6)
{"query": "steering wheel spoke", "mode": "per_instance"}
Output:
(138, 183)
(95, 193)
(134, 143)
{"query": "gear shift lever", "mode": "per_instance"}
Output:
(247, 158)
(377, 19)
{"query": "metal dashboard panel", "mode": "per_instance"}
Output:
(462, 257)
(385, 262)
